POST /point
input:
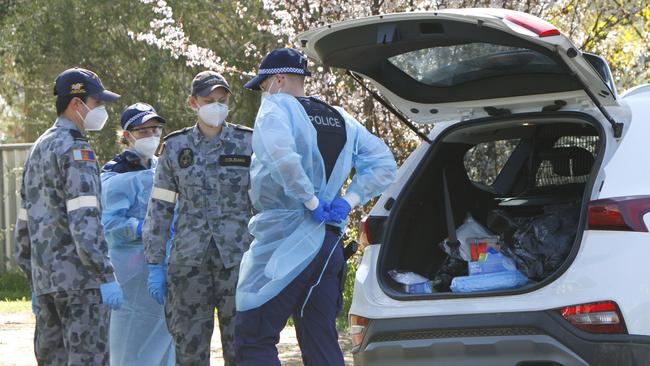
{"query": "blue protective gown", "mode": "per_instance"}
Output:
(138, 331)
(287, 170)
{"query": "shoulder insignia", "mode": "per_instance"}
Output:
(131, 158)
(77, 135)
(160, 149)
(108, 167)
(242, 128)
(83, 155)
(177, 133)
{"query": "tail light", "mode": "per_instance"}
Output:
(364, 236)
(538, 26)
(599, 317)
(370, 230)
(619, 213)
(358, 325)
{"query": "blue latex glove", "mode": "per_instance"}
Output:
(33, 303)
(112, 295)
(139, 229)
(322, 212)
(339, 210)
(156, 283)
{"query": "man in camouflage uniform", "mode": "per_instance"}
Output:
(61, 247)
(202, 179)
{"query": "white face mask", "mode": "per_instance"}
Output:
(95, 118)
(146, 146)
(213, 114)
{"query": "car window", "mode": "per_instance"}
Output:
(456, 64)
(485, 161)
(600, 65)
(579, 165)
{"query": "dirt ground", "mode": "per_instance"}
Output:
(17, 335)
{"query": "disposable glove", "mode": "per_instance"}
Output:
(139, 229)
(339, 210)
(319, 212)
(156, 283)
(112, 295)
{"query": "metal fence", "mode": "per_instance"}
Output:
(12, 160)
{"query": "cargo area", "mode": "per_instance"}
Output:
(517, 189)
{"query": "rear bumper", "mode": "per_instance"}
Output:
(517, 339)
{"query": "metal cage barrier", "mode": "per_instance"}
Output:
(12, 161)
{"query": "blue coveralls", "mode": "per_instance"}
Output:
(138, 333)
(314, 296)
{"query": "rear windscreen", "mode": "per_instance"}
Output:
(456, 64)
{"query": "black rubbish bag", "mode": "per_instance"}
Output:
(453, 266)
(538, 245)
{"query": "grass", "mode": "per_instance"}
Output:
(15, 306)
(15, 295)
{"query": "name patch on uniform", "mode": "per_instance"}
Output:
(186, 157)
(235, 160)
(83, 155)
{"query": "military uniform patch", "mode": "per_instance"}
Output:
(243, 128)
(77, 88)
(160, 149)
(235, 160)
(83, 155)
(186, 157)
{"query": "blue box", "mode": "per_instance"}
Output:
(419, 288)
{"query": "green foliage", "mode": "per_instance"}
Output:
(342, 320)
(615, 29)
(14, 286)
(42, 38)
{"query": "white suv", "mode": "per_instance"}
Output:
(533, 142)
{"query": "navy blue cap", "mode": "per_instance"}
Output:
(137, 114)
(207, 81)
(80, 82)
(279, 61)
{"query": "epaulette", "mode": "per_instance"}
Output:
(178, 132)
(77, 135)
(242, 128)
(160, 149)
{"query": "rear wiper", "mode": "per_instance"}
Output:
(390, 107)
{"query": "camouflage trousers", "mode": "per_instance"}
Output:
(71, 329)
(192, 295)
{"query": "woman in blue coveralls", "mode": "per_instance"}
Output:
(138, 332)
